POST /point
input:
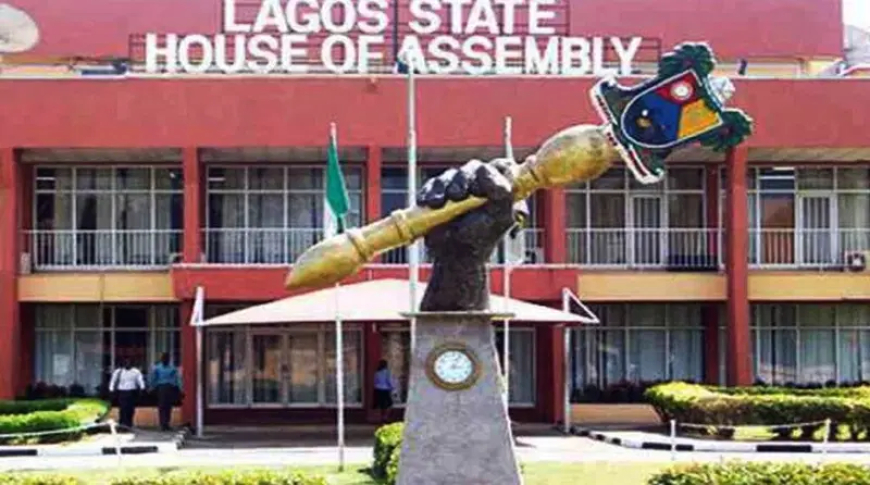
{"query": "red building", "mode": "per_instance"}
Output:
(119, 195)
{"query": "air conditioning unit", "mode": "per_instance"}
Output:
(856, 261)
(25, 264)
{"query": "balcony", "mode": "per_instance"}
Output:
(253, 246)
(53, 250)
(532, 245)
(675, 249)
(823, 249)
(283, 246)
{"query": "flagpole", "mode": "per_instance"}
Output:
(509, 153)
(566, 403)
(199, 308)
(339, 346)
(413, 251)
(339, 364)
(199, 406)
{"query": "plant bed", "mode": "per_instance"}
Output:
(738, 473)
(173, 477)
(27, 417)
(765, 413)
(544, 473)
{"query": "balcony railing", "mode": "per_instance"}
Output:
(662, 248)
(805, 248)
(96, 249)
(258, 246)
(611, 248)
(533, 248)
(283, 246)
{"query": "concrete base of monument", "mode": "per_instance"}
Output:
(456, 433)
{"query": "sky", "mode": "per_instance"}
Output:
(857, 12)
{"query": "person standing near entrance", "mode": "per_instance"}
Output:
(127, 381)
(167, 382)
(383, 391)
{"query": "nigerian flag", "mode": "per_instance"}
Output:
(337, 202)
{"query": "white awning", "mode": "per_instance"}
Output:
(382, 300)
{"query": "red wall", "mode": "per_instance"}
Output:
(451, 112)
(264, 284)
(736, 28)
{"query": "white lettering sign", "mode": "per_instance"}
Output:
(446, 37)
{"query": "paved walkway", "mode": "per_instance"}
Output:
(142, 441)
(533, 445)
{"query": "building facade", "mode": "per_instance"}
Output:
(119, 195)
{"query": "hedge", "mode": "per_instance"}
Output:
(690, 403)
(763, 474)
(223, 477)
(18, 417)
(392, 473)
(388, 442)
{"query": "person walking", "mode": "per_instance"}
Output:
(167, 382)
(126, 381)
(383, 391)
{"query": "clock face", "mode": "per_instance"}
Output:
(454, 367)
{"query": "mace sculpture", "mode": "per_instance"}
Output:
(457, 429)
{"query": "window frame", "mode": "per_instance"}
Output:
(321, 330)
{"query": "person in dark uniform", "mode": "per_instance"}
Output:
(167, 382)
(384, 388)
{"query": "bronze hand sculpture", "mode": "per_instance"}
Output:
(462, 247)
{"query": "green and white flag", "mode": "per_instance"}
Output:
(337, 202)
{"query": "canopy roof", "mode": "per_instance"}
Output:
(380, 300)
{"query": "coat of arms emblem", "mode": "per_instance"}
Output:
(679, 106)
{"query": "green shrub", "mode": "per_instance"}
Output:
(387, 439)
(690, 403)
(26, 407)
(221, 477)
(38, 479)
(224, 477)
(763, 474)
(19, 417)
(392, 471)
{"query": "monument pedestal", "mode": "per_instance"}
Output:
(457, 432)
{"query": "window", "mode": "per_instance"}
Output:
(270, 214)
(638, 343)
(614, 221)
(106, 216)
(79, 345)
(281, 367)
(521, 385)
(396, 350)
(808, 216)
(227, 372)
(811, 343)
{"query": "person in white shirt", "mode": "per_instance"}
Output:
(127, 381)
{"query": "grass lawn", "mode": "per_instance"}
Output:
(603, 473)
